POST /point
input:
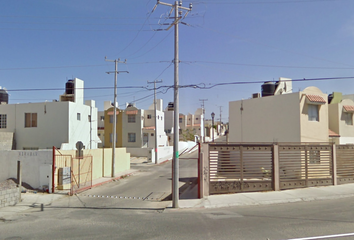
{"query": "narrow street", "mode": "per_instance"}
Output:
(149, 188)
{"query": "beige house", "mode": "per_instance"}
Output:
(284, 117)
(341, 119)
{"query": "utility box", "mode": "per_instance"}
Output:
(64, 178)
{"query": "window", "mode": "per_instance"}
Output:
(314, 157)
(196, 119)
(149, 116)
(161, 118)
(152, 134)
(102, 118)
(111, 137)
(131, 119)
(158, 117)
(131, 137)
(89, 118)
(110, 119)
(313, 112)
(348, 118)
(79, 116)
(180, 120)
(30, 120)
(3, 118)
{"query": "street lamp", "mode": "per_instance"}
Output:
(212, 123)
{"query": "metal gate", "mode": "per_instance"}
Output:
(61, 180)
(305, 166)
(240, 168)
(81, 174)
(345, 164)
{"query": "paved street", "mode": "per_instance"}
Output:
(274, 222)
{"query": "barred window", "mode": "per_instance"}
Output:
(3, 120)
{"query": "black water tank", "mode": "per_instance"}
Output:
(70, 87)
(330, 97)
(4, 96)
(268, 89)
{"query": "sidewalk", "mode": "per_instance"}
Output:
(263, 198)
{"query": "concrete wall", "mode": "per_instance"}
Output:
(6, 140)
(36, 166)
(102, 161)
(9, 197)
(266, 119)
(313, 131)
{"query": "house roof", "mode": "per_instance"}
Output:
(131, 112)
(149, 128)
(111, 113)
(332, 133)
(315, 98)
(348, 108)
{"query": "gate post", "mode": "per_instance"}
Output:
(53, 171)
(276, 177)
(204, 176)
(334, 164)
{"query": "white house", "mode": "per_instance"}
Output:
(138, 127)
(59, 123)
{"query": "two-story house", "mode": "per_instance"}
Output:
(60, 123)
(280, 116)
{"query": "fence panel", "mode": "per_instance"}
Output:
(345, 164)
(240, 168)
(305, 166)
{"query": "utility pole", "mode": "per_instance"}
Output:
(114, 131)
(155, 110)
(177, 7)
(220, 113)
(203, 100)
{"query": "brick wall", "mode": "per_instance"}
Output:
(9, 197)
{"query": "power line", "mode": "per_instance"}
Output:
(265, 2)
(73, 66)
(165, 88)
(260, 65)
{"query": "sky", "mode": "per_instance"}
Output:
(44, 43)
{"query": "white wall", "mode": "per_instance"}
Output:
(266, 119)
(32, 162)
(52, 124)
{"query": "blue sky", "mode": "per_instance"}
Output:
(45, 42)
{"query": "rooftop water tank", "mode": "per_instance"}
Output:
(268, 89)
(70, 87)
(4, 96)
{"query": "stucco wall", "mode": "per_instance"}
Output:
(31, 162)
(266, 119)
(313, 131)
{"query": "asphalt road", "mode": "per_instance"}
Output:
(274, 222)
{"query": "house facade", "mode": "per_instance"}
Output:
(136, 127)
(340, 116)
(59, 123)
(285, 117)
